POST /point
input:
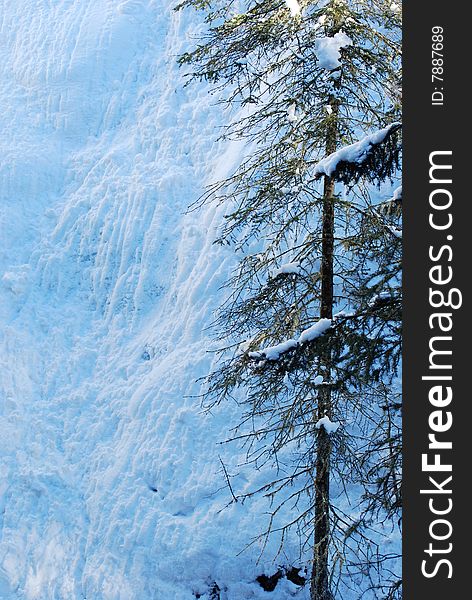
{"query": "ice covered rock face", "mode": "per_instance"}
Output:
(111, 485)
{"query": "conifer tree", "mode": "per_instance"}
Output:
(311, 326)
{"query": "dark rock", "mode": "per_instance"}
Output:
(214, 592)
(269, 583)
(294, 576)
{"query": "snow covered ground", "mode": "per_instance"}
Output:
(110, 484)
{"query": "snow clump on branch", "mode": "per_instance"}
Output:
(329, 426)
(274, 352)
(354, 153)
(327, 50)
(294, 7)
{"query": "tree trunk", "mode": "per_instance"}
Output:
(320, 587)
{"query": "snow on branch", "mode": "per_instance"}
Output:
(286, 269)
(294, 7)
(274, 352)
(367, 155)
(330, 426)
(315, 331)
(398, 194)
(395, 231)
(393, 205)
(327, 50)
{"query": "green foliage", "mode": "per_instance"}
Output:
(292, 113)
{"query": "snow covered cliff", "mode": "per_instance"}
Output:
(110, 483)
